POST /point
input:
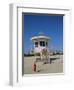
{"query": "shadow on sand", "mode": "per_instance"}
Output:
(52, 59)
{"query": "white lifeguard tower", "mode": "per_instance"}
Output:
(41, 50)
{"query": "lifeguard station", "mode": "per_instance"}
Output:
(41, 51)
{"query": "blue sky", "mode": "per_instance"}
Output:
(50, 25)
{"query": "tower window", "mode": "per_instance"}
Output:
(46, 44)
(42, 43)
(36, 44)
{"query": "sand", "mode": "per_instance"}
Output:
(56, 65)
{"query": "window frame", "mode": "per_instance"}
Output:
(16, 10)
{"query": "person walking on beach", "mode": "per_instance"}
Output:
(34, 67)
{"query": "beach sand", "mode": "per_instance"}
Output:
(56, 65)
